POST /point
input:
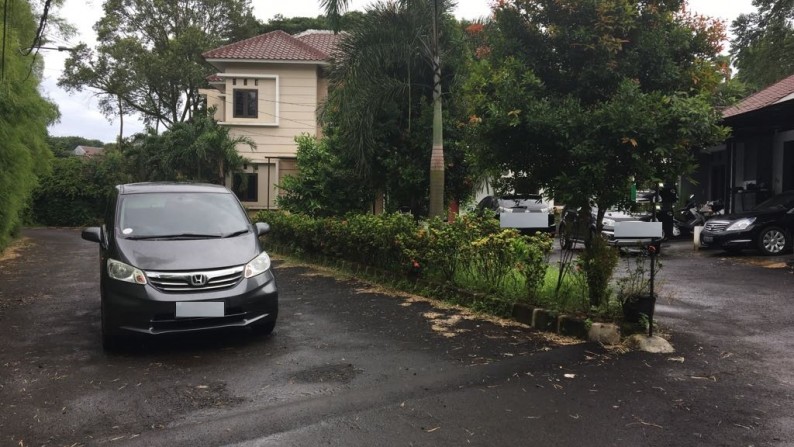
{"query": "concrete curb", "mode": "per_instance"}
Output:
(538, 318)
(550, 321)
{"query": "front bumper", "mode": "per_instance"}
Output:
(145, 309)
(727, 239)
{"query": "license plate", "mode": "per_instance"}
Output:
(199, 309)
(708, 239)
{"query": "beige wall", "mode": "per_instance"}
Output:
(288, 95)
(287, 167)
(267, 178)
(214, 99)
(322, 93)
(283, 113)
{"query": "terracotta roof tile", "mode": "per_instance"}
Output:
(323, 40)
(766, 97)
(278, 46)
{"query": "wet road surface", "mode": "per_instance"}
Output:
(353, 365)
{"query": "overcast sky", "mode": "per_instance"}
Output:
(79, 114)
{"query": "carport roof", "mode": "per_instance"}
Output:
(777, 93)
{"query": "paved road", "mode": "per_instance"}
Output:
(349, 365)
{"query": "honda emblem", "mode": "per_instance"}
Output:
(198, 280)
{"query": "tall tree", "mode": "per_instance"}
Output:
(586, 98)
(148, 58)
(419, 38)
(763, 46)
(24, 113)
(196, 150)
(583, 97)
(295, 25)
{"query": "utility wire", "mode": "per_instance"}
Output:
(40, 31)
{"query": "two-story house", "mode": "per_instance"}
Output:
(268, 88)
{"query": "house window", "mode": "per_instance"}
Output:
(245, 103)
(246, 186)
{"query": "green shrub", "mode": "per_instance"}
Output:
(534, 262)
(437, 247)
(326, 184)
(598, 263)
(472, 253)
(362, 238)
(494, 256)
(75, 192)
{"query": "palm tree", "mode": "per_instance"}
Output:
(406, 40)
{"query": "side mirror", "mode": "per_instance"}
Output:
(262, 228)
(92, 234)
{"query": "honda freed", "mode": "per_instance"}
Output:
(180, 257)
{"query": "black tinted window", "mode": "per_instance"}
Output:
(162, 214)
(781, 200)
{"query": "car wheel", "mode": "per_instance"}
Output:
(110, 340)
(772, 241)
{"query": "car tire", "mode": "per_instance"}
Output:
(110, 339)
(773, 241)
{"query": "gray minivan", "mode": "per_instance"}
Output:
(181, 257)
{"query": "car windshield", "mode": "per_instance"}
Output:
(784, 200)
(180, 215)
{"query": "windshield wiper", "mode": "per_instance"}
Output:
(235, 233)
(178, 236)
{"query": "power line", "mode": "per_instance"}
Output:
(40, 31)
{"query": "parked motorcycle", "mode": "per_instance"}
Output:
(692, 214)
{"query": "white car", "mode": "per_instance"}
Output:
(524, 212)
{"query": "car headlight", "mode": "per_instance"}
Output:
(607, 222)
(258, 265)
(740, 224)
(123, 272)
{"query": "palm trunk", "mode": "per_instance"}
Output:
(437, 155)
(121, 122)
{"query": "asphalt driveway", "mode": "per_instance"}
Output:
(353, 365)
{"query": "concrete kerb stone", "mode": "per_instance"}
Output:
(523, 313)
(572, 326)
(538, 318)
(545, 320)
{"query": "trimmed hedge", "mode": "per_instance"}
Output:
(470, 248)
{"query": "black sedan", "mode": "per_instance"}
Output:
(768, 227)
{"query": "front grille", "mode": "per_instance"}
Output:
(715, 226)
(197, 281)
